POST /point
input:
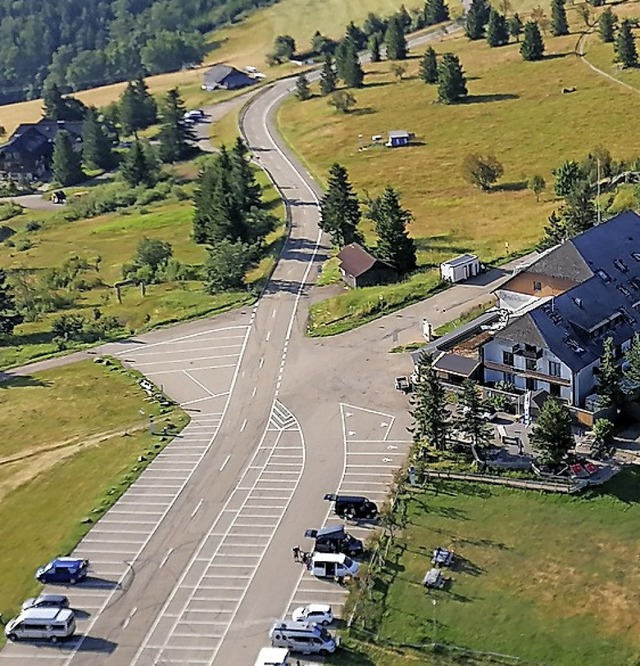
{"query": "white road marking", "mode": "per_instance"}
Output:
(226, 460)
(243, 426)
(197, 507)
(253, 393)
(125, 624)
(261, 361)
(273, 314)
(165, 558)
(268, 335)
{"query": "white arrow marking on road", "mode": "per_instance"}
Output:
(226, 460)
(243, 426)
(348, 414)
(384, 424)
(166, 557)
(387, 460)
(125, 624)
(391, 447)
(197, 507)
(352, 433)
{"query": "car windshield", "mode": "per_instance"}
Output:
(48, 567)
(325, 635)
(348, 562)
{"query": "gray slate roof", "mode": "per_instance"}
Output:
(461, 260)
(564, 261)
(456, 364)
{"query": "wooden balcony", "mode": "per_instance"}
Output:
(533, 374)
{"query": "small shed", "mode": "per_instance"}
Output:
(359, 268)
(461, 268)
(225, 77)
(455, 368)
(398, 138)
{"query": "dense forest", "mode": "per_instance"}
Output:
(79, 44)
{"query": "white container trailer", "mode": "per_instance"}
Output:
(460, 268)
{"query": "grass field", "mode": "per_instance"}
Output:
(114, 238)
(547, 578)
(64, 455)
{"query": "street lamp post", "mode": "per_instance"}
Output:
(433, 601)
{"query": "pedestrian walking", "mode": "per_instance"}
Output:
(296, 553)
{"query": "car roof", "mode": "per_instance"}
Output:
(331, 530)
(319, 608)
(358, 499)
(330, 557)
(67, 561)
(47, 614)
(50, 597)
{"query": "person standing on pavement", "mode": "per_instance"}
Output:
(296, 553)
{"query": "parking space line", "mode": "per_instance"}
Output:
(181, 360)
(204, 367)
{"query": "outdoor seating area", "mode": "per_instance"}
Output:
(443, 557)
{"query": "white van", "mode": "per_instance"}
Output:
(333, 565)
(272, 657)
(303, 637)
(53, 624)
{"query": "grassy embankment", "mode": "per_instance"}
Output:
(546, 578)
(64, 457)
(515, 110)
(114, 238)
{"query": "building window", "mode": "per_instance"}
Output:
(537, 286)
(530, 364)
(554, 390)
(509, 378)
(507, 358)
(531, 384)
(554, 368)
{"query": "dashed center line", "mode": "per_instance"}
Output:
(197, 507)
(125, 624)
(226, 460)
(165, 558)
(243, 426)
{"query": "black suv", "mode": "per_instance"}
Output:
(334, 539)
(353, 507)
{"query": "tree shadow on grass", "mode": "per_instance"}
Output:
(443, 511)
(9, 380)
(493, 97)
(514, 186)
(363, 111)
(625, 487)
(487, 543)
(556, 56)
(465, 565)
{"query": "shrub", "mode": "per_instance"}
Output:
(24, 245)
(179, 193)
(9, 209)
(33, 225)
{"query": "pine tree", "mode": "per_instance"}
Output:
(515, 27)
(67, 163)
(429, 407)
(452, 83)
(148, 109)
(352, 72)
(559, 24)
(552, 435)
(394, 247)
(97, 147)
(374, 48)
(303, 92)
(137, 109)
(339, 209)
(327, 76)
(632, 357)
(435, 11)
(340, 56)
(175, 136)
(497, 29)
(137, 167)
(356, 35)
(395, 41)
(579, 212)
(554, 233)
(53, 102)
(625, 46)
(9, 316)
(429, 66)
(532, 47)
(477, 19)
(607, 25)
(471, 422)
(568, 177)
(609, 376)
(247, 190)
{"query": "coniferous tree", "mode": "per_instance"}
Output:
(395, 41)
(477, 19)
(67, 163)
(609, 376)
(9, 316)
(452, 83)
(352, 72)
(497, 29)
(97, 146)
(246, 188)
(429, 66)
(559, 24)
(339, 209)
(429, 407)
(138, 166)
(356, 35)
(579, 212)
(327, 76)
(58, 107)
(552, 435)
(625, 46)
(175, 136)
(147, 107)
(435, 11)
(554, 233)
(532, 47)
(568, 177)
(632, 357)
(374, 48)
(137, 109)
(340, 57)
(471, 422)
(394, 247)
(607, 25)
(515, 27)
(303, 92)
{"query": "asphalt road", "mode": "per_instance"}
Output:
(194, 563)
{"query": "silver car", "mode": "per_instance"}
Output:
(47, 601)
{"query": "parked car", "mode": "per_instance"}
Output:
(46, 601)
(434, 578)
(318, 613)
(443, 557)
(53, 624)
(333, 565)
(63, 570)
(353, 507)
(334, 539)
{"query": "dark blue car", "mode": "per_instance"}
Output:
(63, 570)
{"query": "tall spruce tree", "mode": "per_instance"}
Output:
(374, 48)
(175, 136)
(136, 109)
(632, 357)
(67, 163)
(395, 41)
(339, 209)
(515, 27)
(429, 407)
(452, 83)
(356, 35)
(552, 436)
(497, 29)
(246, 188)
(97, 146)
(328, 76)
(559, 24)
(435, 11)
(394, 247)
(53, 102)
(554, 233)
(607, 25)
(471, 422)
(625, 46)
(138, 166)
(609, 376)
(477, 19)
(532, 47)
(352, 72)
(9, 316)
(303, 91)
(429, 66)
